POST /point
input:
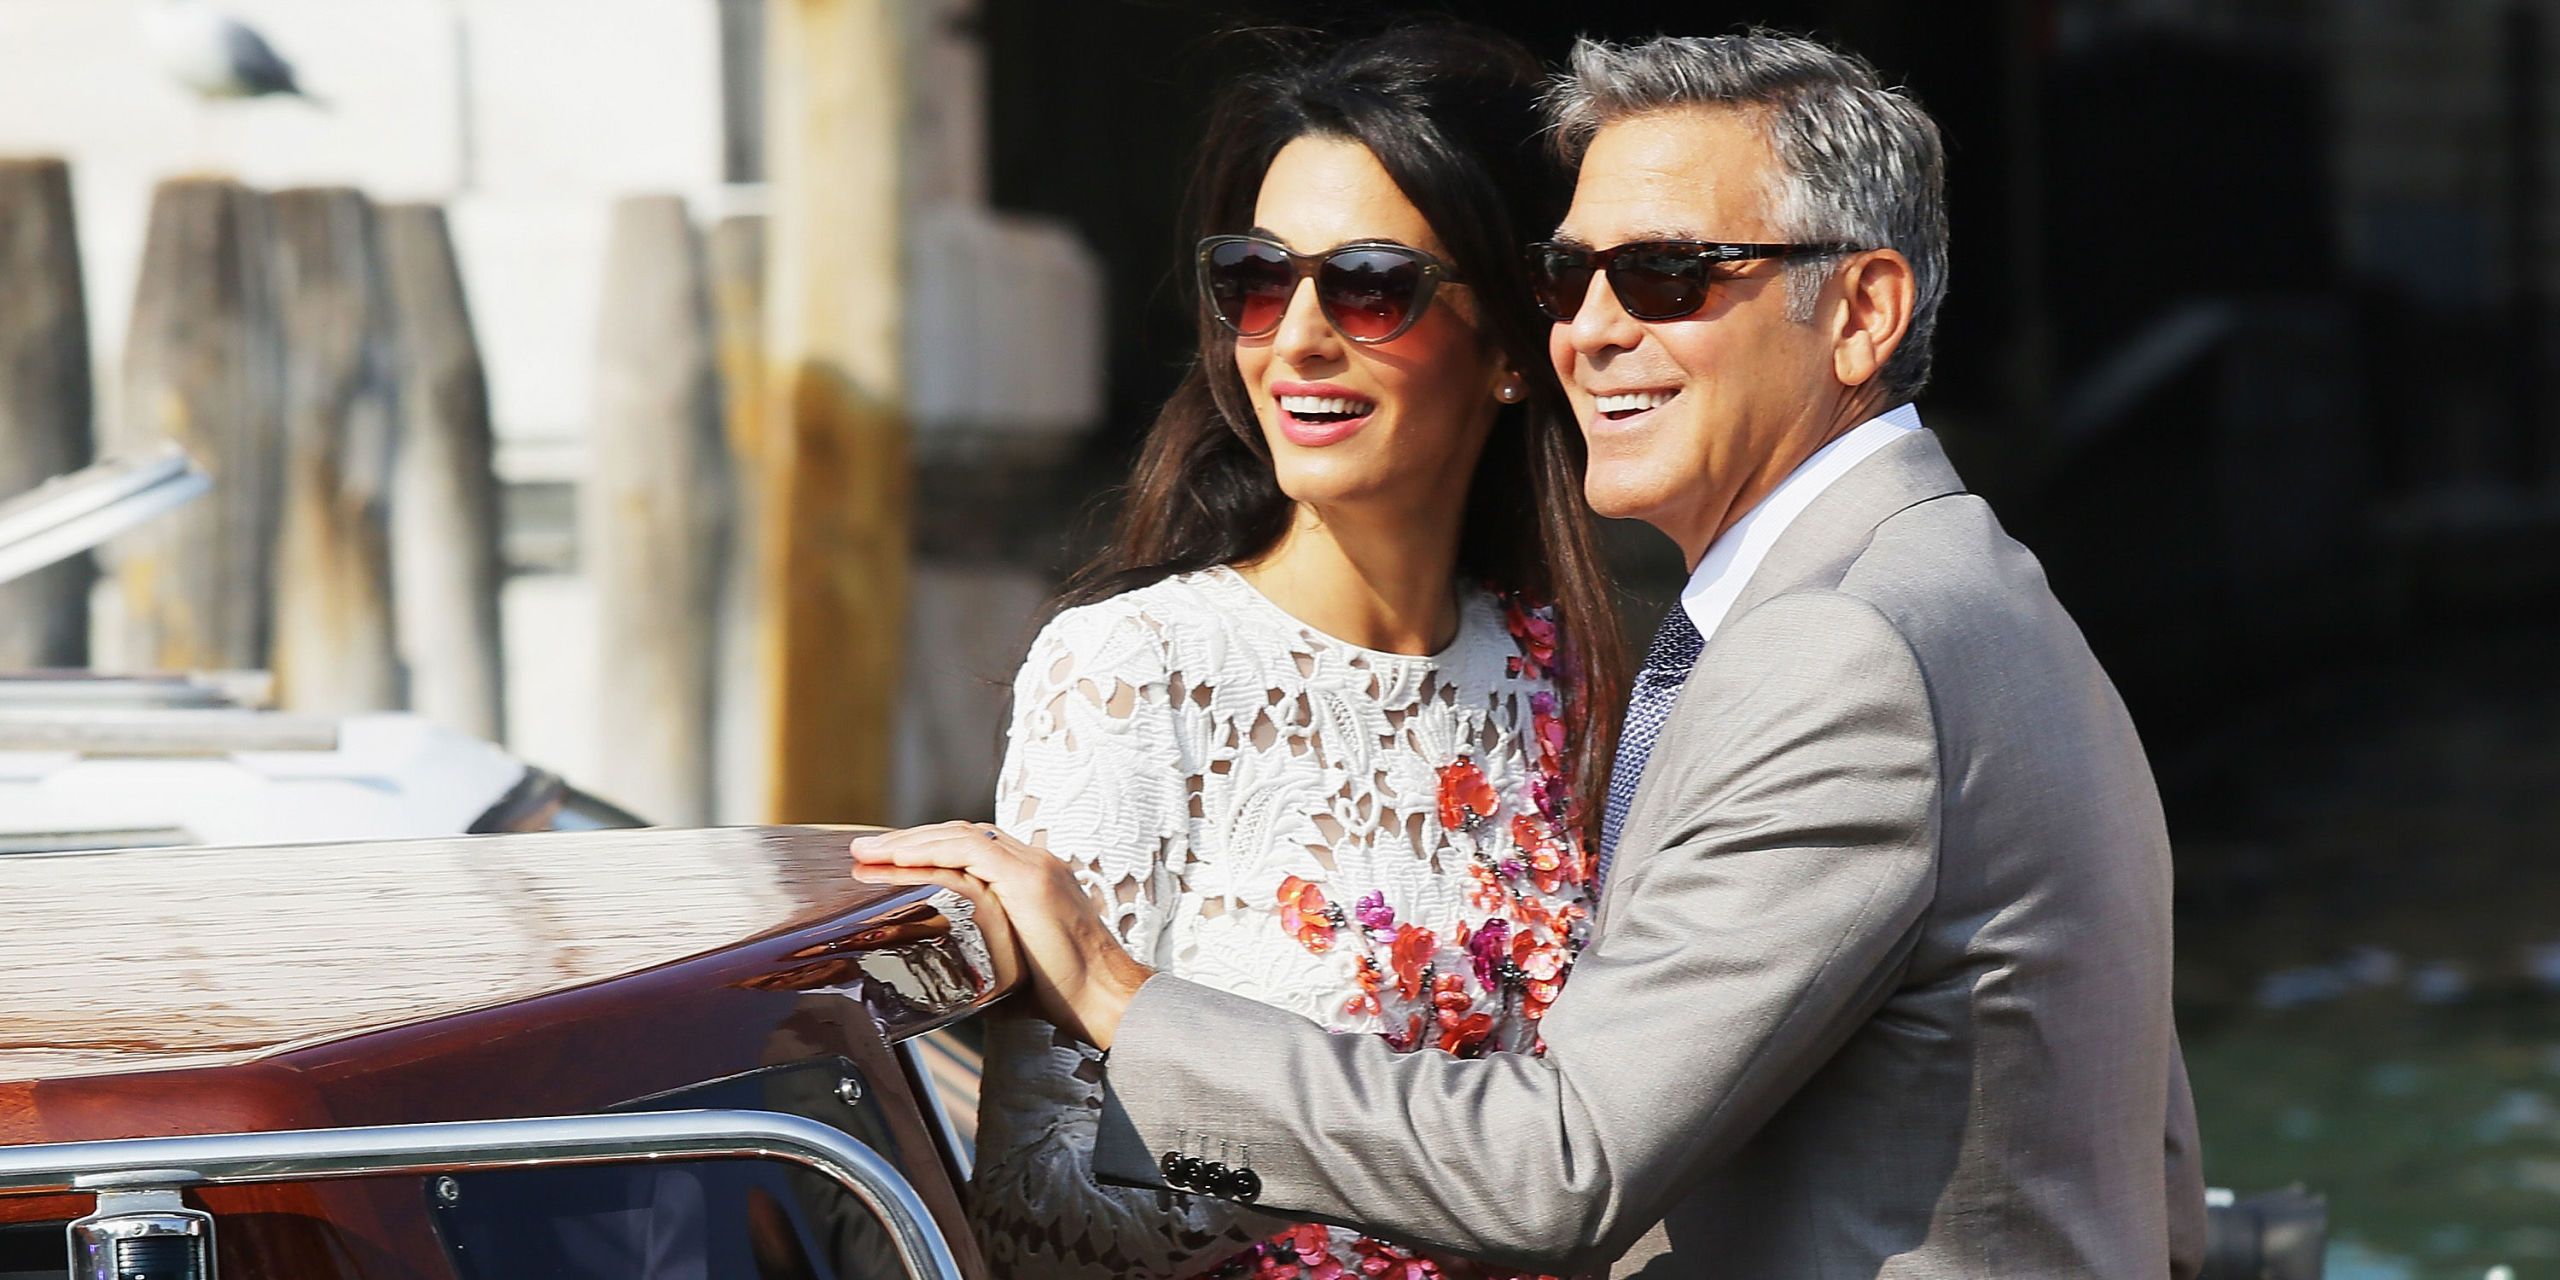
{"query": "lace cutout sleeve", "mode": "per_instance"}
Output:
(1095, 771)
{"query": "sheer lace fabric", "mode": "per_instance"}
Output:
(1199, 756)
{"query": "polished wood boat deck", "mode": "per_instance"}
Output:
(169, 958)
(150, 992)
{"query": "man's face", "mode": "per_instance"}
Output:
(1691, 419)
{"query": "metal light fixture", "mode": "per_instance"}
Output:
(143, 1233)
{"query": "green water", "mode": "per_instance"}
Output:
(2369, 955)
(2433, 1129)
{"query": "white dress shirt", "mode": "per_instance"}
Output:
(1732, 558)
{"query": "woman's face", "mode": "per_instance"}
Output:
(1418, 406)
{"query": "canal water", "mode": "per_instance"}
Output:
(2369, 954)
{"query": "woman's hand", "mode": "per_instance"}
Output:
(1077, 971)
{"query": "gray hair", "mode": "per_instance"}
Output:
(1861, 163)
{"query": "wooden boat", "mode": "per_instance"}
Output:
(159, 992)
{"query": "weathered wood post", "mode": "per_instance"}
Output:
(335, 646)
(203, 367)
(741, 733)
(45, 398)
(444, 495)
(653, 515)
(836, 475)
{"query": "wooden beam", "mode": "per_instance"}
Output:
(444, 501)
(204, 367)
(735, 251)
(837, 480)
(335, 645)
(655, 515)
(45, 399)
(742, 739)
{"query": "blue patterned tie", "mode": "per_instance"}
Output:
(1666, 668)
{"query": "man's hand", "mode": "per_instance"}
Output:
(1077, 971)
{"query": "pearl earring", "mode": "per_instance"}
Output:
(1510, 392)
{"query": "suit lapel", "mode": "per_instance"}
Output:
(1838, 524)
(1816, 548)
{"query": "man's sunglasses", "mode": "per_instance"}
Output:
(1654, 279)
(1370, 290)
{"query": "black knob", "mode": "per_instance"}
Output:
(1187, 1172)
(158, 1258)
(1214, 1178)
(1246, 1188)
(1171, 1168)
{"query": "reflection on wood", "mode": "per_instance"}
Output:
(164, 958)
(171, 991)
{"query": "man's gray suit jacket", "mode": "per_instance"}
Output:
(1879, 983)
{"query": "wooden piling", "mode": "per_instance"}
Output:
(836, 484)
(45, 399)
(335, 646)
(741, 732)
(444, 494)
(203, 367)
(654, 514)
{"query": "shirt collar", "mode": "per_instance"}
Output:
(1732, 558)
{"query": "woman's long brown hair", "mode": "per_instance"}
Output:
(1450, 110)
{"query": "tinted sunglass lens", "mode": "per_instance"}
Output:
(1368, 293)
(1248, 286)
(1659, 285)
(1560, 279)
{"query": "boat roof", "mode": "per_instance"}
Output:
(159, 958)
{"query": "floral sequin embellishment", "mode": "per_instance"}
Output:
(1480, 985)
(1307, 916)
(1467, 798)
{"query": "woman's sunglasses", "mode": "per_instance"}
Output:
(1370, 291)
(1654, 279)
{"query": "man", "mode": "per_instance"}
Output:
(1879, 981)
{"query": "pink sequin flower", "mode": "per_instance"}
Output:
(1490, 948)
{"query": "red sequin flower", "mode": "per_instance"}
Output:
(1410, 955)
(1466, 797)
(1370, 978)
(1380, 1259)
(1306, 915)
(1551, 864)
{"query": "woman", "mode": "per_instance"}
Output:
(1319, 726)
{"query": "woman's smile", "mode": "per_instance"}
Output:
(1315, 414)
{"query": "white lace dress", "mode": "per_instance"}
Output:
(1372, 840)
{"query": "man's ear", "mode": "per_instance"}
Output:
(1876, 296)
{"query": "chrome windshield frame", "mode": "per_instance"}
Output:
(294, 1155)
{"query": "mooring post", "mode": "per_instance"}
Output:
(654, 513)
(836, 473)
(45, 399)
(336, 649)
(203, 366)
(444, 492)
